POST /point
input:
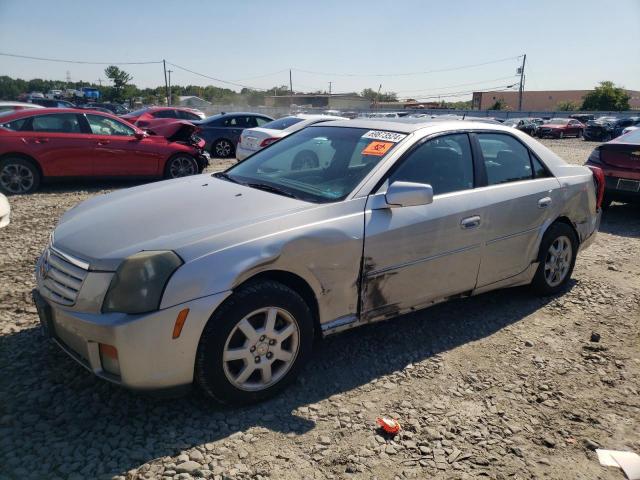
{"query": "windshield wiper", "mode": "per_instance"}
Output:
(225, 176)
(272, 189)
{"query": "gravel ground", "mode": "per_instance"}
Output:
(504, 385)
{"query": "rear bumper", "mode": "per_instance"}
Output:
(148, 358)
(616, 191)
(242, 152)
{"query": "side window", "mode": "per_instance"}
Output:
(505, 158)
(262, 121)
(444, 162)
(187, 115)
(56, 123)
(539, 170)
(165, 114)
(16, 125)
(107, 126)
(230, 122)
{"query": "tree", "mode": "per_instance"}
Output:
(372, 95)
(606, 96)
(567, 106)
(498, 105)
(120, 78)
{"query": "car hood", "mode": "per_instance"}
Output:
(170, 215)
(553, 125)
(171, 128)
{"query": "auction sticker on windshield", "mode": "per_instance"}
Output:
(377, 148)
(382, 135)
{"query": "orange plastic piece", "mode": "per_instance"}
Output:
(389, 425)
(108, 350)
(377, 148)
(180, 319)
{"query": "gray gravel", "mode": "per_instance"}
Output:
(503, 385)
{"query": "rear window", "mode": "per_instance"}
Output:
(632, 137)
(282, 123)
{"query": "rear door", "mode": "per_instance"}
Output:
(521, 195)
(57, 141)
(117, 150)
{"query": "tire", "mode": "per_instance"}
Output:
(248, 310)
(223, 148)
(18, 176)
(181, 165)
(545, 281)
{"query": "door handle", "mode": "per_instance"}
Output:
(41, 140)
(544, 202)
(103, 142)
(470, 222)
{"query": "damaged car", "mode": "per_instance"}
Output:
(52, 144)
(604, 129)
(225, 280)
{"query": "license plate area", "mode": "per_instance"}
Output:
(628, 185)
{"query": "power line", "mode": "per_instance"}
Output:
(262, 76)
(462, 67)
(58, 60)
(216, 79)
(499, 88)
(455, 86)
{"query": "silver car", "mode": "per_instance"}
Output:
(225, 280)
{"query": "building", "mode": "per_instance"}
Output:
(332, 102)
(544, 100)
(193, 102)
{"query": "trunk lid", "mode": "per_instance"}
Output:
(621, 155)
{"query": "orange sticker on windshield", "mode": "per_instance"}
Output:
(377, 148)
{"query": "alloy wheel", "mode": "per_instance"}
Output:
(558, 261)
(223, 148)
(16, 178)
(261, 349)
(182, 167)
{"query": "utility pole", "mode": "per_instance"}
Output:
(521, 90)
(166, 85)
(290, 82)
(330, 88)
(170, 102)
(377, 97)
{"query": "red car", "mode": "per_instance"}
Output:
(142, 118)
(53, 143)
(560, 128)
(620, 161)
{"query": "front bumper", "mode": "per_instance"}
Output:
(203, 158)
(148, 357)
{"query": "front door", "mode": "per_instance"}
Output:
(420, 254)
(117, 150)
(522, 196)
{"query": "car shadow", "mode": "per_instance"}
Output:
(621, 219)
(66, 414)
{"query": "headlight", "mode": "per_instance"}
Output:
(139, 282)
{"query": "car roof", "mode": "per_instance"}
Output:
(21, 104)
(28, 112)
(410, 125)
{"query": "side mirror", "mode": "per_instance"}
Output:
(140, 135)
(409, 194)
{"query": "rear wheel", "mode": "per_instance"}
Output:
(557, 257)
(181, 165)
(18, 176)
(254, 344)
(223, 148)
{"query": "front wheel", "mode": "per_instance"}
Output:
(255, 344)
(557, 257)
(181, 165)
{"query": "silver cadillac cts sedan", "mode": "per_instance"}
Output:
(224, 280)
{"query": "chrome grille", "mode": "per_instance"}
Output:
(62, 276)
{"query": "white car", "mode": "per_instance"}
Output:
(5, 211)
(254, 139)
(630, 129)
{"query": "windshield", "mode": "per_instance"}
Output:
(317, 164)
(282, 123)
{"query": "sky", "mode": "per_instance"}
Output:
(420, 49)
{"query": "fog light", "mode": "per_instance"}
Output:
(109, 359)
